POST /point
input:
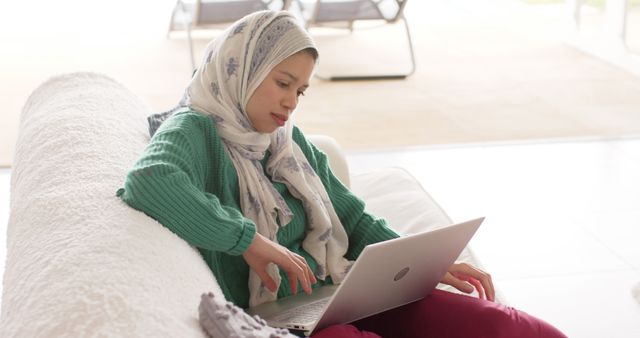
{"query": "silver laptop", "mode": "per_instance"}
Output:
(385, 275)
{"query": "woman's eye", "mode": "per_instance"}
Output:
(300, 93)
(282, 84)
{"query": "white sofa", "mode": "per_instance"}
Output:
(81, 263)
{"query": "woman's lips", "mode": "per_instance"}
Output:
(280, 119)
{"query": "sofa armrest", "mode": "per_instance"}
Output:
(80, 262)
(337, 159)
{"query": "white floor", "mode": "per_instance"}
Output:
(561, 229)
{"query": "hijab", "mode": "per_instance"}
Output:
(232, 68)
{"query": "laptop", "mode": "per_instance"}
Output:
(385, 275)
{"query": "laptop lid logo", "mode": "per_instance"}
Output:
(401, 274)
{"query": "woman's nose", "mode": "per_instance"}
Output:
(290, 101)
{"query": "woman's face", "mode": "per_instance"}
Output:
(277, 96)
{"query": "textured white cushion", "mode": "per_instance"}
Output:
(80, 262)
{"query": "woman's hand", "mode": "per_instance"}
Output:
(262, 251)
(466, 278)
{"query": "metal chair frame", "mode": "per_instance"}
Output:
(314, 20)
(194, 16)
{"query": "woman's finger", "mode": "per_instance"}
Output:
(267, 280)
(306, 286)
(488, 287)
(484, 279)
(261, 252)
(304, 273)
(464, 269)
(312, 275)
(457, 283)
(476, 283)
(293, 283)
(296, 273)
(299, 270)
(309, 278)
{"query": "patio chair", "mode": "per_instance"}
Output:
(211, 14)
(344, 13)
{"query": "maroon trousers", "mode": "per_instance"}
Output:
(446, 314)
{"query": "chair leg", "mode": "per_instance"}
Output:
(187, 20)
(190, 41)
(410, 41)
(379, 77)
(173, 17)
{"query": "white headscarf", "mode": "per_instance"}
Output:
(232, 68)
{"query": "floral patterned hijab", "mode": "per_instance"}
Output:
(232, 68)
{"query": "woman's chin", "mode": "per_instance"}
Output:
(267, 130)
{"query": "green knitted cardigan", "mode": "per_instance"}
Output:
(186, 181)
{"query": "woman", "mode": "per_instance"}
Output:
(230, 174)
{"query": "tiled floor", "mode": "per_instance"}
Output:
(561, 229)
(486, 70)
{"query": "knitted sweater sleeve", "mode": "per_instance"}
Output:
(167, 183)
(362, 227)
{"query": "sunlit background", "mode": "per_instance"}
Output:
(580, 192)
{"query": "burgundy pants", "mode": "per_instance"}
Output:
(446, 314)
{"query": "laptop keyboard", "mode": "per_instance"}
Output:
(304, 313)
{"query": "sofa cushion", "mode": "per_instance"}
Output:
(395, 195)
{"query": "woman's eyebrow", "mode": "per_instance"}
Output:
(289, 75)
